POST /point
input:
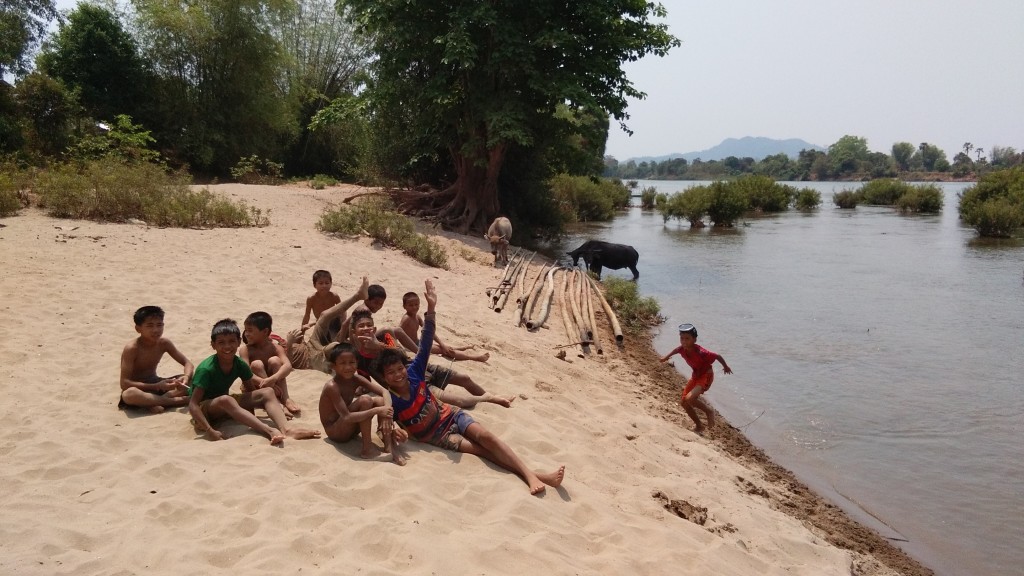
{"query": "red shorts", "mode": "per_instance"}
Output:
(704, 381)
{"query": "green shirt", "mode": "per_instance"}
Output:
(214, 381)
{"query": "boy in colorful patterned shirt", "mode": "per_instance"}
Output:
(429, 420)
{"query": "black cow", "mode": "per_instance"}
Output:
(596, 254)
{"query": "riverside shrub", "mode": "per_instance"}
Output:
(995, 205)
(764, 194)
(846, 199)
(109, 190)
(378, 219)
(924, 199)
(635, 313)
(648, 196)
(727, 204)
(691, 205)
(583, 199)
(883, 192)
(807, 199)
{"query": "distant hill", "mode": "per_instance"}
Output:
(755, 147)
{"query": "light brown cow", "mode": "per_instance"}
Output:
(499, 234)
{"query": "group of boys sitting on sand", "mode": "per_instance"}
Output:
(371, 376)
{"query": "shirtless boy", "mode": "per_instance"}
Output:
(267, 358)
(306, 351)
(210, 402)
(321, 300)
(373, 301)
(349, 402)
(140, 385)
(429, 420)
(411, 323)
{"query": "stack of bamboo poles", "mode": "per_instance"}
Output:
(571, 289)
(514, 269)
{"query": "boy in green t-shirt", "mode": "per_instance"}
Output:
(209, 400)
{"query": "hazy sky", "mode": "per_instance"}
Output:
(938, 71)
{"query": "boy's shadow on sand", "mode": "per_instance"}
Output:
(456, 458)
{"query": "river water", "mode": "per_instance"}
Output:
(878, 356)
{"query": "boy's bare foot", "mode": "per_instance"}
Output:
(276, 438)
(156, 409)
(536, 485)
(553, 479)
(291, 406)
(302, 433)
(505, 401)
(483, 357)
(370, 451)
(699, 430)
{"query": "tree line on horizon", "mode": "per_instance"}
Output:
(849, 158)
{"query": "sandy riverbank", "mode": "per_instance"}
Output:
(90, 489)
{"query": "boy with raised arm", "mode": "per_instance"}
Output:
(140, 385)
(411, 323)
(308, 354)
(349, 402)
(429, 420)
(210, 401)
(267, 359)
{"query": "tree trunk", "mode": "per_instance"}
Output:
(476, 189)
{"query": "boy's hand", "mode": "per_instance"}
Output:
(728, 370)
(364, 289)
(430, 295)
(213, 434)
(385, 412)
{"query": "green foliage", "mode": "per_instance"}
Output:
(122, 141)
(583, 199)
(469, 81)
(108, 190)
(12, 191)
(377, 218)
(807, 199)
(94, 54)
(321, 181)
(22, 26)
(727, 204)
(846, 199)
(847, 154)
(691, 205)
(763, 193)
(647, 197)
(217, 64)
(926, 199)
(636, 314)
(995, 205)
(256, 170)
(49, 110)
(883, 192)
(902, 152)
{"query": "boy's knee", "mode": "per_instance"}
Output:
(257, 365)
(274, 364)
(363, 403)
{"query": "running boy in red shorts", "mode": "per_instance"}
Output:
(700, 360)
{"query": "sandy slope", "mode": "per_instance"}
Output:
(89, 489)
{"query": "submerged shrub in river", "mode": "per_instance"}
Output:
(845, 199)
(995, 205)
(925, 198)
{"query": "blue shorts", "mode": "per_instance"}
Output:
(450, 438)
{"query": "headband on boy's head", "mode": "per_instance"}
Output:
(688, 328)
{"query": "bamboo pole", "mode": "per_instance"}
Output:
(574, 297)
(521, 303)
(506, 290)
(588, 326)
(534, 295)
(502, 287)
(563, 310)
(545, 300)
(616, 329)
(593, 321)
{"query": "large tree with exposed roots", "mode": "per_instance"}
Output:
(476, 77)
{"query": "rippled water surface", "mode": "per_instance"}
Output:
(879, 356)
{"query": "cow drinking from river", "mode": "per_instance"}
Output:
(597, 254)
(499, 234)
